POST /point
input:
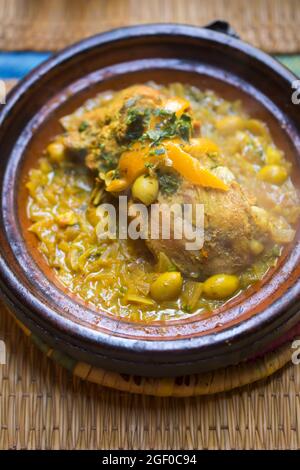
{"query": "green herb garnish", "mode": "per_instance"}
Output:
(108, 160)
(168, 183)
(160, 151)
(149, 165)
(184, 126)
(83, 126)
(136, 122)
(169, 127)
(116, 174)
(154, 135)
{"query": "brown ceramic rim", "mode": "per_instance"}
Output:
(151, 349)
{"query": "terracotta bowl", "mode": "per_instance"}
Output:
(163, 53)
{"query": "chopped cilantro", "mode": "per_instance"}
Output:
(168, 183)
(154, 135)
(83, 126)
(187, 308)
(116, 174)
(159, 151)
(160, 112)
(131, 102)
(184, 126)
(169, 127)
(108, 160)
(136, 122)
(149, 165)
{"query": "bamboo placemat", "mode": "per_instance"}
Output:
(42, 406)
(272, 25)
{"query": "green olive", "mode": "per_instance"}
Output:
(256, 247)
(274, 174)
(273, 156)
(230, 124)
(56, 152)
(166, 287)
(220, 286)
(145, 189)
(256, 127)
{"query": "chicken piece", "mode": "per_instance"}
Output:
(229, 228)
(100, 135)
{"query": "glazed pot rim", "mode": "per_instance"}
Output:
(28, 301)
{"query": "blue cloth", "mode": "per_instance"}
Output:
(14, 65)
(17, 64)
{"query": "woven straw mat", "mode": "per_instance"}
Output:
(272, 25)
